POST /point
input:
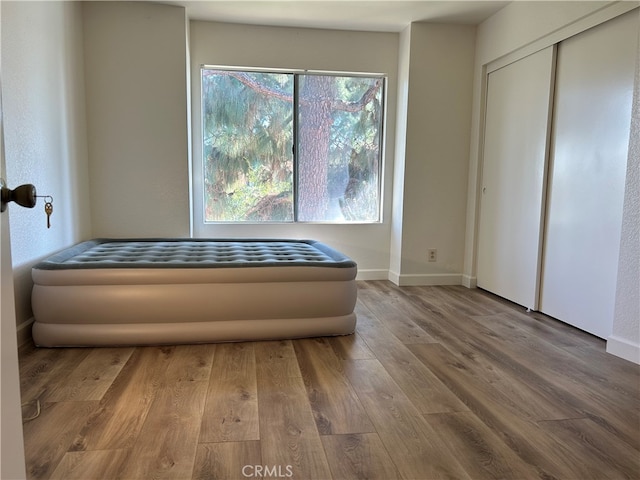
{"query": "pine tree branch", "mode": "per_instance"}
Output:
(246, 79)
(360, 104)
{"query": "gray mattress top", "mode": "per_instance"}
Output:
(195, 253)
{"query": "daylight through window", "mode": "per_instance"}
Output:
(287, 147)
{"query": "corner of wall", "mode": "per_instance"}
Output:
(469, 281)
(404, 51)
(436, 73)
(625, 339)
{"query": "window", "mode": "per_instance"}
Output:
(291, 147)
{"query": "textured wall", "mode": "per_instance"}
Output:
(44, 126)
(626, 324)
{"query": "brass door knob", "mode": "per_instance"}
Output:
(24, 195)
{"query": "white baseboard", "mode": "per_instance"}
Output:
(469, 281)
(372, 275)
(428, 279)
(623, 348)
(24, 332)
(415, 280)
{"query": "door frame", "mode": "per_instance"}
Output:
(12, 458)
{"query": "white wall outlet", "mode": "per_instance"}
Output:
(432, 254)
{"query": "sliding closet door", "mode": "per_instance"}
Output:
(592, 114)
(513, 177)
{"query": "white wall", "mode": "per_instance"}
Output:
(440, 89)
(402, 107)
(523, 22)
(137, 129)
(523, 27)
(274, 47)
(44, 126)
(426, 157)
(135, 70)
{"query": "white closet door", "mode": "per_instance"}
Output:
(513, 177)
(592, 115)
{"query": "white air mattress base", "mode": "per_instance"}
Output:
(95, 294)
(74, 335)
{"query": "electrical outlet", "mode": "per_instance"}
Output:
(432, 255)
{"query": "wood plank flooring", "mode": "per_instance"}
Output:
(437, 382)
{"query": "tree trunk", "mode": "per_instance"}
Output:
(316, 98)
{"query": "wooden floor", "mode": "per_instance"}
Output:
(437, 382)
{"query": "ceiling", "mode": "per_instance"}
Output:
(377, 15)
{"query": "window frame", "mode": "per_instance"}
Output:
(297, 73)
